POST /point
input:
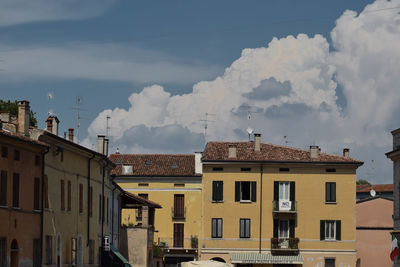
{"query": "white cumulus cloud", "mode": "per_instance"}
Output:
(293, 83)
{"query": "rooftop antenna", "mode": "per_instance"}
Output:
(250, 111)
(78, 116)
(50, 97)
(107, 127)
(206, 121)
(285, 140)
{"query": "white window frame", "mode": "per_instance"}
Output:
(216, 227)
(280, 230)
(284, 191)
(330, 230)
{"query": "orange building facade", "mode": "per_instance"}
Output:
(21, 165)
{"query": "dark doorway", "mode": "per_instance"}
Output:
(14, 254)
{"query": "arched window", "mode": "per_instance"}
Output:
(218, 259)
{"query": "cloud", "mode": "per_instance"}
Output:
(23, 11)
(99, 62)
(293, 81)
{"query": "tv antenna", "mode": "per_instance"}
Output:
(78, 116)
(50, 97)
(206, 121)
(285, 140)
(250, 110)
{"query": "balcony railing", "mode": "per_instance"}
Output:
(279, 206)
(178, 213)
(279, 245)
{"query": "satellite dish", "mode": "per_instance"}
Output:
(372, 193)
(249, 130)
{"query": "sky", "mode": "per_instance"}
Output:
(300, 73)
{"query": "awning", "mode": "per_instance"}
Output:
(119, 256)
(264, 258)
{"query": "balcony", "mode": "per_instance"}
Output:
(284, 206)
(285, 245)
(178, 214)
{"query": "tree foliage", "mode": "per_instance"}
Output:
(362, 181)
(12, 107)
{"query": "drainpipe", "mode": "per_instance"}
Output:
(261, 201)
(42, 207)
(88, 201)
(112, 211)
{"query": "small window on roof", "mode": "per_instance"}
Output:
(218, 169)
(149, 162)
(284, 169)
(127, 169)
(143, 184)
(245, 169)
(330, 170)
(174, 166)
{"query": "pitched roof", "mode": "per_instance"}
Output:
(218, 151)
(22, 138)
(377, 187)
(155, 164)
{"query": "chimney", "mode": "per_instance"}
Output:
(55, 125)
(257, 144)
(198, 165)
(5, 116)
(106, 141)
(314, 152)
(71, 134)
(100, 144)
(23, 117)
(232, 151)
(49, 123)
(346, 152)
(396, 139)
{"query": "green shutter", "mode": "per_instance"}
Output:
(253, 191)
(292, 192)
(214, 190)
(276, 225)
(237, 191)
(322, 230)
(276, 191)
(338, 230)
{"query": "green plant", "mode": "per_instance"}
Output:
(194, 241)
(158, 251)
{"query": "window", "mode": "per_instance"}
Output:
(330, 170)
(245, 169)
(127, 169)
(15, 202)
(244, 228)
(216, 227)
(284, 169)
(3, 252)
(36, 194)
(46, 192)
(91, 251)
(100, 208)
(218, 169)
(245, 191)
(329, 262)
(80, 198)
(139, 211)
(143, 184)
(49, 249)
(36, 253)
(217, 191)
(62, 194)
(69, 196)
(90, 209)
(4, 152)
(330, 192)
(284, 228)
(284, 191)
(178, 235)
(330, 230)
(37, 160)
(179, 206)
(3, 189)
(16, 155)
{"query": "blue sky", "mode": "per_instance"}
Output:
(109, 52)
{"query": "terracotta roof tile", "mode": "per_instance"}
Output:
(218, 151)
(377, 187)
(155, 164)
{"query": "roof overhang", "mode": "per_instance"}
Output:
(272, 162)
(264, 258)
(132, 201)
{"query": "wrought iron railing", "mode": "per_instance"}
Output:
(284, 206)
(284, 243)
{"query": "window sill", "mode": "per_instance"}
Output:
(16, 208)
(245, 201)
(217, 201)
(216, 238)
(330, 240)
(37, 211)
(4, 207)
(330, 203)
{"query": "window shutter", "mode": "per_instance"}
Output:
(276, 191)
(16, 190)
(36, 192)
(292, 191)
(221, 191)
(292, 224)
(276, 225)
(46, 192)
(253, 191)
(62, 195)
(338, 230)
(322, 230)
(3, 189)
(333, 192)
(237, 191)
(214, 190)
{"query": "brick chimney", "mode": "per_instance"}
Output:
(71, 134)
(346, 152)
(257, 142)
(23, 117)
(52, 124)
(314, 152)
(5, 116)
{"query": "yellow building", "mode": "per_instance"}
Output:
(272, 205)
(173, 181)
(76, 199)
